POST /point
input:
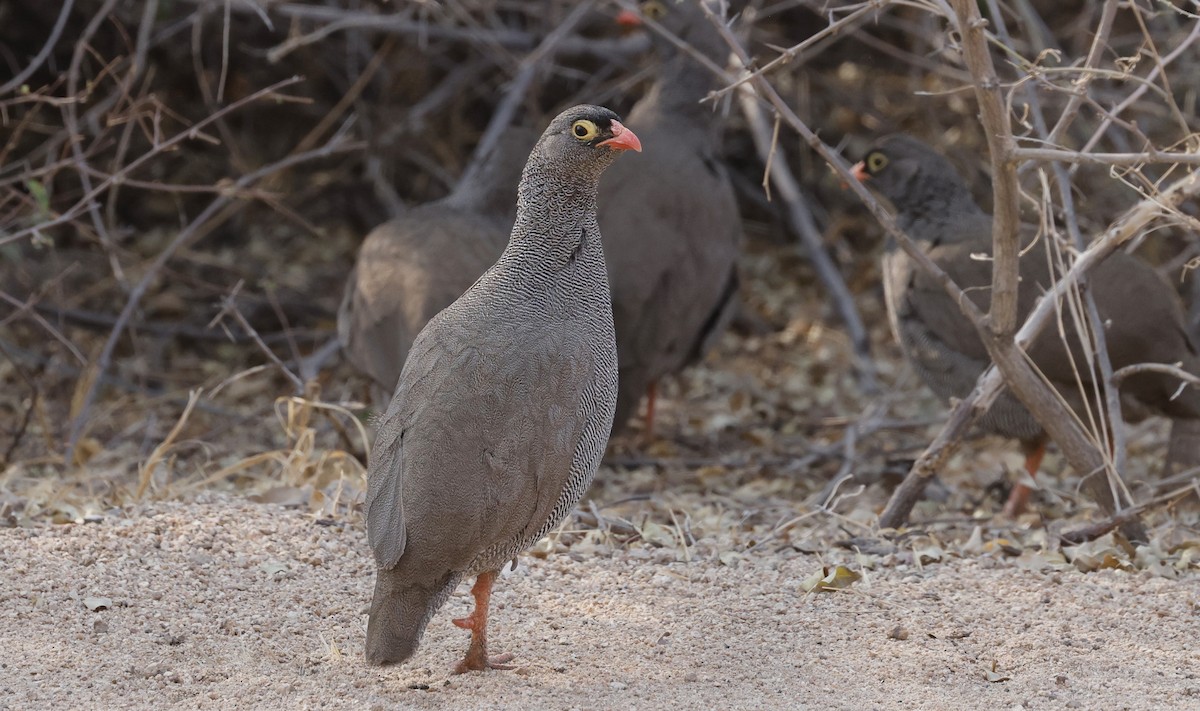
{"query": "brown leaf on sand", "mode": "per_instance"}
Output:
(827, 579)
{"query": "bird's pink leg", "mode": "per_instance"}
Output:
(651, 396)
(1019, 498)
(477, 658)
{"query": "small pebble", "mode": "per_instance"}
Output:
(898, 632)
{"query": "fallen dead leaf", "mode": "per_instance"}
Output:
(995, 676)
(837, 578)
(97, 603)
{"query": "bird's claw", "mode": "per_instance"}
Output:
(485, 663)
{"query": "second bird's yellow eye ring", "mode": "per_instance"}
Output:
(876, 162)
(585, 130)
(654, 10)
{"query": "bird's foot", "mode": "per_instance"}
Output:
(483, 662)
(1017, 502)
(477, 658)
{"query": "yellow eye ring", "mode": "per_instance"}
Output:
(585, 130)
(654, 10)
(876, 162)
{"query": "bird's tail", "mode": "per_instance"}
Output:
(400, 610)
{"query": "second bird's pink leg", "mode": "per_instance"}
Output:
(1019, 498)
(477, 658)
(651, 396)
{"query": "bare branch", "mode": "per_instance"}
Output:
(1144, 158)
(801, 220)
(789, 55)
(152, 272)
(229, 307)
(1099, 43)
(85, 201)
(1165, 368)
(503, 115)
(1006, 217)
(40, 58)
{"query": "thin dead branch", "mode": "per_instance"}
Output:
(184, 236)
(1124, 518)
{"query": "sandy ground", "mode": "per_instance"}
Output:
(230, 604)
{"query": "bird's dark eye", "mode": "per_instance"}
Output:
(654, 10)
(585, 130)
(876, 162)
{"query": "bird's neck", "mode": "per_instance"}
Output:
(553, 215)
(677, 91)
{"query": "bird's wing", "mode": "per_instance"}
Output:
(927, 301)
(1143, 323)
(937, 337)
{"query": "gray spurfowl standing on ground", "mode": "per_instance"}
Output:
(505, 403)
(1143, 316)
(670, 218)
(415, 265)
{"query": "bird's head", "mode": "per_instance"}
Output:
(584, 140)
(656, 10)
(910, 174)
(683, 18)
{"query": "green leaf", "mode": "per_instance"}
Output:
(41, 196)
